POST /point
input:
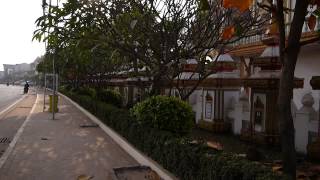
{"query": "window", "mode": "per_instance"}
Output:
(208, 106)
(258, 113)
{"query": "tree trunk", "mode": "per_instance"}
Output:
(156, 87)
(285, 116)
(289, 58)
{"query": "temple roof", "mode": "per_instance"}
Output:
(255, 49)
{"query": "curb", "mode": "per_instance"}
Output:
(13, 143)
(125, 145)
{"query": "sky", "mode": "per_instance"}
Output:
(17, 24)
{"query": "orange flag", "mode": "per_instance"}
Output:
(242, 5)
(228, 32)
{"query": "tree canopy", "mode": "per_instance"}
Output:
(91, 38)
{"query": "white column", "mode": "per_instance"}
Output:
(301, 124)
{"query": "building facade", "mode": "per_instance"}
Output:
(241, 96)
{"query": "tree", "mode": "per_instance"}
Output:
(288, 56)
(163, 34)
(158, 35)
(289, 45)
(72, 32)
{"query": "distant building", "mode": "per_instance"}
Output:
(14, 72)
(1, 74)
(24, 67)
(8, 69)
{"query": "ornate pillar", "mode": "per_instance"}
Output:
(315, 83)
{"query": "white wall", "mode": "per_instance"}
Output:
(230, 100)
(308, 65)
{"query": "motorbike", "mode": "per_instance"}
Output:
(25, 90)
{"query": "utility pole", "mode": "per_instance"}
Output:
(44, 3)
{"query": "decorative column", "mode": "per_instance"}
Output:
(315, 83)
(314, 148)
(301, 124)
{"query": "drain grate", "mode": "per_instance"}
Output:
(89, 125)
(5, 140)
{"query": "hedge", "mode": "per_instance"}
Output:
(181, 156)
(110, 96)
(165, 113)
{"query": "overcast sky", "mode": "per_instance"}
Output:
(17, 19)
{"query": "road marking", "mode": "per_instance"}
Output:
(12, 105)
(13, 143)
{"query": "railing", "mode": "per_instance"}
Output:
(258, 38)
(249, 40)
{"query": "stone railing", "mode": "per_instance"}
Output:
(251, 40)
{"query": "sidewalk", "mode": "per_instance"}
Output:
(62, 150)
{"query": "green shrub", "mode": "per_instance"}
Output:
(165, 113)
(65, 88)
(181, 156)
(86, 91)
(110, 96)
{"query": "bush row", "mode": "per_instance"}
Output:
(104, 95)
(181, 156)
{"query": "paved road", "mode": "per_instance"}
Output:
(9, 94)
(12, 120)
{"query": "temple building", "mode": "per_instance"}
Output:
(241, 95)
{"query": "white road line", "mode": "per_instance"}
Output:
(13, 143)
(12, 105)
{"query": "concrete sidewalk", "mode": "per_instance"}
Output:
(62, 150)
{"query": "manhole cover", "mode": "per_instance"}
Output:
(5, 140)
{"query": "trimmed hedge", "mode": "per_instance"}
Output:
(165, 113)
(181, 156)
(87, 92)
(110, 96)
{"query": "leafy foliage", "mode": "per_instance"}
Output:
(181, 156)
(95, 40)
(87, 92)
(165, 113)
(110, 97)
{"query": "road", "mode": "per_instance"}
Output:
(11, 120)
(9, 94)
